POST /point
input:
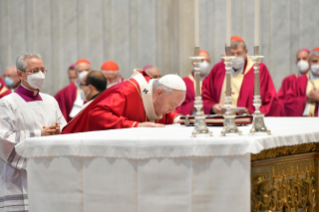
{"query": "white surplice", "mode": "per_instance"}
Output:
(19, 120)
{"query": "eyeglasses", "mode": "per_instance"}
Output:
(83, 85)
(35, 71)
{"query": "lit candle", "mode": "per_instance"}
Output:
(228, 29)
(196, 22)
(256, 22)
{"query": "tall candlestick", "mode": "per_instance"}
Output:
(196, 22)
(228, 30)
(256, 22)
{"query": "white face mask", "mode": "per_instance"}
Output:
(81, 76)
(204, 67)
(238, 62)
(303, 66)
(315, 69)
(83, 95)
(36, 80)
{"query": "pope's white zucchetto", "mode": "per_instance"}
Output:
(173, 81)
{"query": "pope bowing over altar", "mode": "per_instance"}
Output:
(137, 102)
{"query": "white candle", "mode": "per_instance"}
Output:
(196, 22)
(228, 27)
(256, 22)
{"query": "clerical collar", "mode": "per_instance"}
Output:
(93, 97)
(28, 95)
(312, 76)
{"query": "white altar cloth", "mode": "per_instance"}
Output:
(151, 169)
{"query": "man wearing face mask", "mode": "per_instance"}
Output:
(302, 62)
(23, 114)
(111, 72)
(187, 108)
(11, 78)
(92, 85)
(242, 84)
(138, 102)
(303, 96)
(69, 98)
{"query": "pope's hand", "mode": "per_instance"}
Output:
(150, 124)
(313, 95)
(217, 109)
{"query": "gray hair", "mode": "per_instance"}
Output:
(157, 85)
(20, 62)
(316, 53)
(234, 44)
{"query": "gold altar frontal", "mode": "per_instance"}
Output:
(285, 179)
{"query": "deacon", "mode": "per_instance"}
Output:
(138, 102)
(187, 108)
(303, 96)
(69, 98)
(152, 71)
(302, 62)
(111, 72)
(92, 85)
(4, 90)
(11, 78)
(23, 114)
(242, 84)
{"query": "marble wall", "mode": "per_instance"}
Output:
(135, 33)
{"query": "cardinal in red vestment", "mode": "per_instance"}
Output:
(242, 84)
(187, 108)
(302, 61)
(69, 98)
(112, 73)
(3, 88)
(302, 98)
(137, 102)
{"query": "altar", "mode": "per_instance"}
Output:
(165, 169)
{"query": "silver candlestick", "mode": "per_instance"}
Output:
(200, 126)
(230, 125)
(258, 122)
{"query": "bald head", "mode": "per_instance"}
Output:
(153, 72)
(93, 84)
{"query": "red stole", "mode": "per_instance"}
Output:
(120, 106)
(66, 98)
(213, 84)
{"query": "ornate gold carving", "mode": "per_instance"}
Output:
(293, 192)
(286, 150)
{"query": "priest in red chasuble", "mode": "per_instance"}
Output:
(302, 62)
(242, 84)
(303, 96)
(69, 97)
(137, 102)
(187, 108)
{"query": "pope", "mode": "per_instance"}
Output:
(137, 102)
